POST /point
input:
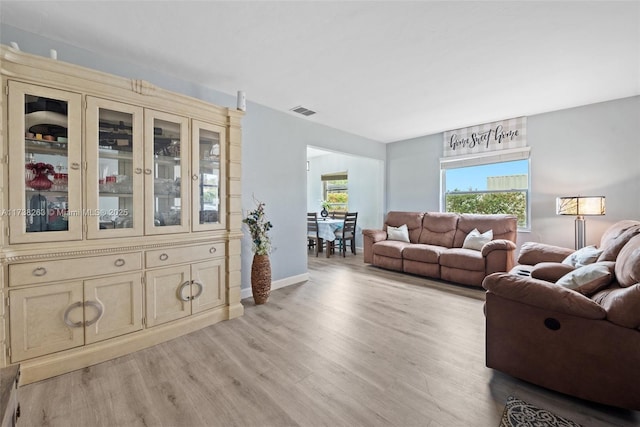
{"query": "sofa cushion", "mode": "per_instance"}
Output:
(390, 248)
(438, 228)
(532, 253)
(621, 304)
(413, 221)
(398, 233)
(615, 245)
(628, 263)
(423, 253)
(588, 279)
(503, 226)
(550, 271)
(615, 230)
(464, 259)
(476, 240)
(583, 256)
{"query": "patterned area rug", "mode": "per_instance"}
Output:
(518, 413)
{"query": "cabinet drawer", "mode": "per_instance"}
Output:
(168, 256)
(65, 269)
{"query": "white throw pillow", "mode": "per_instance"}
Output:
(587, 279)
(584, 256)
(475, 240)
(398, 233)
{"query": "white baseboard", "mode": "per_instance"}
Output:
(287, 281)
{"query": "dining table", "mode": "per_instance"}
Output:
(326, 231)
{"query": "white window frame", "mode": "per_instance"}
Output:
(335, 176)
(501, 156)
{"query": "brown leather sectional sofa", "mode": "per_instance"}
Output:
(435, 246)
(584, 342)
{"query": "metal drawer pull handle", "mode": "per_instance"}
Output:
(39, 272)
(98, 306)
(181, 297)
(147, 171)
(75, 166)
(200, 289)
(212, 250)
(119, 262)
(164, 257)
(65, 316)
(138, 171)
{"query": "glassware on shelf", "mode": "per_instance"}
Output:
(123, 184)
(60, 181)
(109, 184)
(29, 174)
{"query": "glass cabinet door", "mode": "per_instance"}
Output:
(114, 177)
(207, 172)
(166, 173)
(45, 152)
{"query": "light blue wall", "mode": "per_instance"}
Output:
(273, 150)
(590, 150)
(274, 159)
(413, 172)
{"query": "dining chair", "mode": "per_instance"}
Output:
(313, 240)
(347, 233)
(337, 214)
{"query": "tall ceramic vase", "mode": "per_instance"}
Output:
(261, 278)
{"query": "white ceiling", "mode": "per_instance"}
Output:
(386, 70)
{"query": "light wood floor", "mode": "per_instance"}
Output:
(353, 346)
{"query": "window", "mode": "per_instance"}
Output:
(493, 184)
(335, 190)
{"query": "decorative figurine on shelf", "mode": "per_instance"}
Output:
(325, 209)
(42, 171)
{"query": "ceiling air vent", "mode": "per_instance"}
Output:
(304, 111)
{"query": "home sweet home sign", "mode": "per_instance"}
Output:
(496, 136)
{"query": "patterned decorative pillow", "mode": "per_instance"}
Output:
(398, 233)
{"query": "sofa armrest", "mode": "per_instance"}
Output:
(376, 235)
(369, 237)
(498, 244)
(499, 255)
(532, 253)
(539, 293)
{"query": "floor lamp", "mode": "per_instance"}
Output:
(580, 206)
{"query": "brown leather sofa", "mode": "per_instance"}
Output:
(584, 342)
(435, 246)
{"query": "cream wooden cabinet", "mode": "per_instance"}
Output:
(166, 172)
(208, 154)
(115, 164)
(37, 210)
(121, 215)
(179, 291)
(47, 319)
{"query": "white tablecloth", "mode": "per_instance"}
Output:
(327, 227)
